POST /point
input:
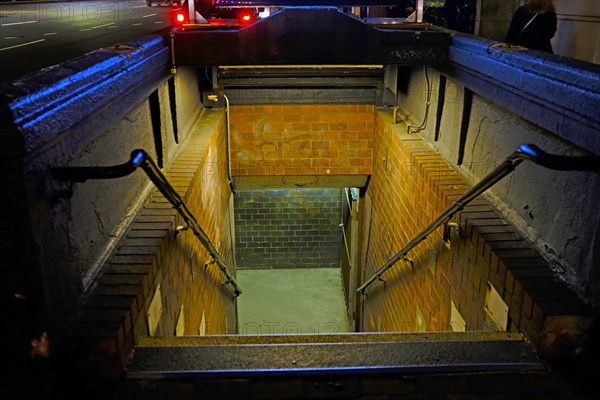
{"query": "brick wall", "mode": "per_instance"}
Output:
(301, 139)
(412, 184)
(288, 228)
(151, 254)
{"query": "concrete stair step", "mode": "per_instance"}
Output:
(245, 356)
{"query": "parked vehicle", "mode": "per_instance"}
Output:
(216, 12)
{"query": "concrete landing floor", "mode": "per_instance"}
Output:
(291, 301)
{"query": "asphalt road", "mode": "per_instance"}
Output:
(35, 35)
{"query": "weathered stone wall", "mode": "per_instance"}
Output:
(74, 115)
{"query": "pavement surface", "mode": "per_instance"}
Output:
(35, 35)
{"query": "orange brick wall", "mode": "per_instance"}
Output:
(410, 186)
(299, 139)
(399, 203)
(115, 313)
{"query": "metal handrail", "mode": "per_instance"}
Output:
(141, 159)
(524, 152)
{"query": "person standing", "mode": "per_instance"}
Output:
(533, 25)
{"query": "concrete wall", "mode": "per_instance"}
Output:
(493, 18)
(288, 228)
(578, 31)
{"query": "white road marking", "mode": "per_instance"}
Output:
(96, 27)
(50, 33)
(22, 44)
(136, 24)
(18, 23)
(102, 26)
(12, 37)
(149, 15)
(15, 12)
(159, 22)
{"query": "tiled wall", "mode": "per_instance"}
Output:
(302, 139)
(152, 255)
(288, 228)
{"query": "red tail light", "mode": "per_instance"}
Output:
(179, 18)
(246, 18)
